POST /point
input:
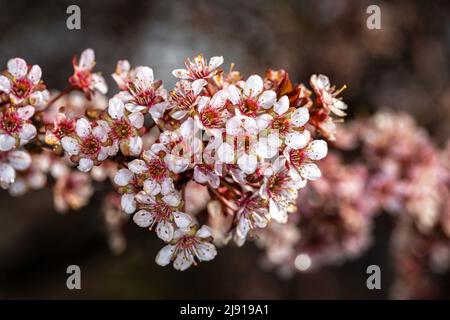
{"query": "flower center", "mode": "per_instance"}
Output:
(282, 124)
(297, 157)
(276, 183)
(157, 169)
(198, 69)
(81, 79)
(187, 243)
(210, 118)
(162, 212)
(249, 107)
(10, 122)
(90, 145)
(142, 96)
(65, 128)
(183, 102)
(22, 88)
(122, 129)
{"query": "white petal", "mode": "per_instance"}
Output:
(165, 230)
(103, 153)
(215, 62)
(282, 105)
(165, 255)
(136, 119)
(219, 99)
(253, 86)
(265, 149)
(5, 84)
(151, 187)
(204, 232)
(26, 112)
(187, 128)
(202, 103)
(167, 186)
(83, 127)
(248, 163)
(300, 117)
(178, 115)
(206, 251)
(134, 107)
(321, 81)
(234, 95)
(157, 110)
(276, 213)
(135, 145)
(145, 75)
(181, 232)
(99, 83)
(6, 142)
(137, 166)
(310, 171)
(317, 149)
(260, 220)
(100, 133)
(7, 175)
(296, 140)
(267, 99)
(225, 153)
(113, 149)
(181, 73)
(123, 177)
(17, 67)
(198, 85)
(183, 261)
(35, 74)
(85, 165)
(243, 227)
(199, 175)
(239, 124)
(172, 199)
(293, 173)
(299, 183)
(144, 198)
(128, 203)
(263, 121)
(116, 108)
(70, 145)
(87, 60)
(20, 160)
(27, 132)
(176, 164)
(143, 218)
(182, 220)
(104, 124)
(234, 126)
(339, 104)
(213, 180)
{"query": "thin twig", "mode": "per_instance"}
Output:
(60, 95)
(221, 198)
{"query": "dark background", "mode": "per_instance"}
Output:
(403, 66)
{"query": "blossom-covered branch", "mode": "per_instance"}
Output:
(248, 143)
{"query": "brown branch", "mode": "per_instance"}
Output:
(222, 199)
(67, 90)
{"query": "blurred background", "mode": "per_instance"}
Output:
(402, 66)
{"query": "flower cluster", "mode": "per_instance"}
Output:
(249, 143)
(244, 140)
